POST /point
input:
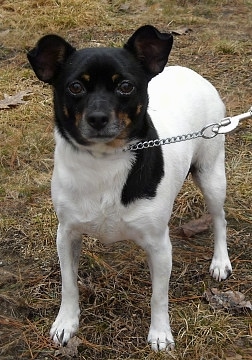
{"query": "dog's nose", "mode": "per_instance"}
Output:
(98, 120)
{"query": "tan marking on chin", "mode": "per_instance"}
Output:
(121, 140)
(117, 143)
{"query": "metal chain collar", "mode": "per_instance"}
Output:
(208, 132)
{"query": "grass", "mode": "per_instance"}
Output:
(115, 292)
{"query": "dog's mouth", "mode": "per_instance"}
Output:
(89, 138)
(99, 143)
(112, 131)
(100, 138)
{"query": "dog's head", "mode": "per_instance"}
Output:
(100, 94)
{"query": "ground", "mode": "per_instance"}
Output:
(215, 40)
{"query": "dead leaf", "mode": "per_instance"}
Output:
(4, 32)
(194, 226)
(124, 7)
(228, 300)
(71, 349)
(7, 277)
(235, 357)
(14, 100)
(181, 31)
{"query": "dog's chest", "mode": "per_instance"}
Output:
(86, 193)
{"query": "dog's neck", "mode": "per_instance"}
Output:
(97, 151)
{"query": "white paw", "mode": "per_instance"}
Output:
(161, 340)
(64, 327)
(220, 269)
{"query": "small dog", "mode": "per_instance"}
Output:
(104, 100)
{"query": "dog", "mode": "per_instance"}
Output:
(106, 99)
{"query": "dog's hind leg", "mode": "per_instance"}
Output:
(159, 253)
(67, 321)
(211, 180)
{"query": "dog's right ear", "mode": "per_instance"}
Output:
(48, 56)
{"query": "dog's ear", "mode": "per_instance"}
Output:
(48, 56)
(151, 48)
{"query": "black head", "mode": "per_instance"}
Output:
(100, 94)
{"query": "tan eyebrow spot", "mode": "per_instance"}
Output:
(86, 77)
(114, 77)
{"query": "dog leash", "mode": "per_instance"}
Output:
(208, 132)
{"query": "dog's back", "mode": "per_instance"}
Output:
(182, 102)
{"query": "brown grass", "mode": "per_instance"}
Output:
(115, 292)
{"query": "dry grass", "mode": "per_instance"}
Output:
(115, 293)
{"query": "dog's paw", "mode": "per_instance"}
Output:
(63, 328)
(161, 340)
(220, 269)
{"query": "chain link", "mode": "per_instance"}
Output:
(160, 142)
(208, 132)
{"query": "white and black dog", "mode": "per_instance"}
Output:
(104, 100)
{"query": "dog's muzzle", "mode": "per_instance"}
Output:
(98, 126)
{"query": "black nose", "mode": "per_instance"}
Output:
(98, 120)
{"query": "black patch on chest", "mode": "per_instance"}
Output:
(146, 172)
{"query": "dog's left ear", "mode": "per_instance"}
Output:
(151, 48)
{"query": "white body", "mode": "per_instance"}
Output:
(86, 191)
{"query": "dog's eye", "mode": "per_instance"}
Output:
(76, 88)
(125, 88)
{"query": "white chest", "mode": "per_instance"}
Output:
(86, 193)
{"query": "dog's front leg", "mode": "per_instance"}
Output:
(67, 321)
(160, 263)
